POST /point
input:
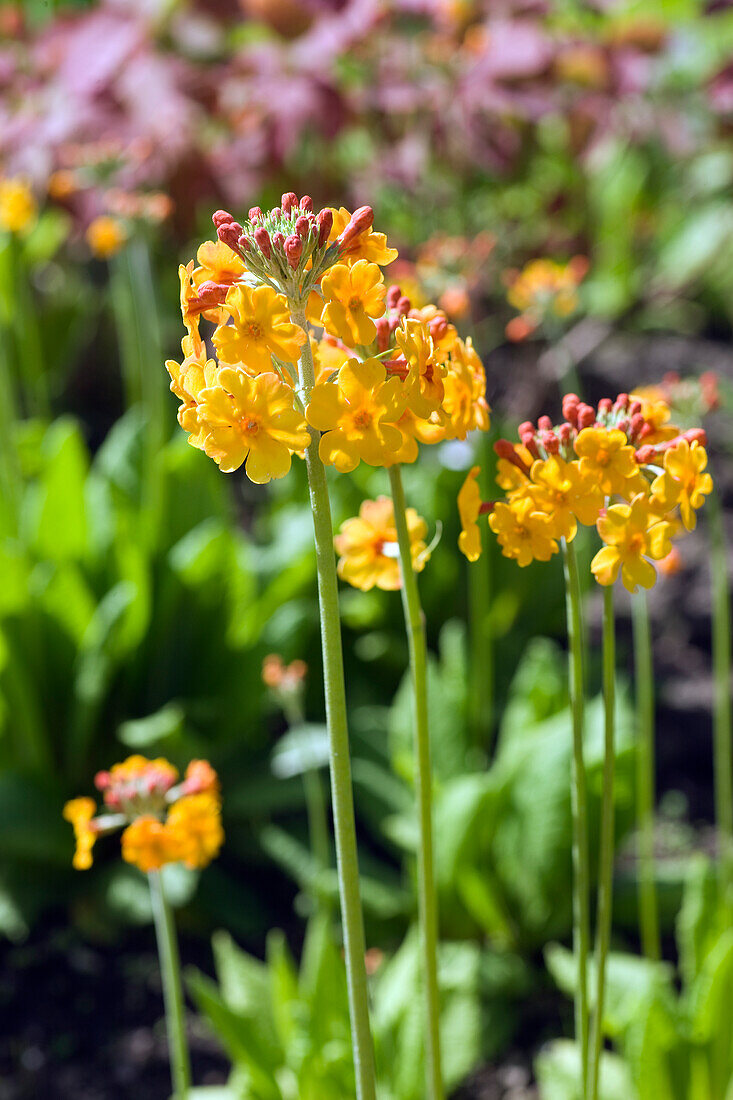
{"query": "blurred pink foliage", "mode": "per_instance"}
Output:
(136, 94)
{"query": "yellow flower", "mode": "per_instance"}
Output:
(683, 481)
(353, 295)
(367, 246)
(424, 382)
(358, 413)
(565, 494)
(261, 329)
(523, 533)
(369, 550)
(508, 475)
(329, 356)
(447, 337)
(18, 210)
(606, 458)
(217, 263)
(545, 285)
(464, 397)
(656, 411)
(106, 236)
(632, 533)
(149, 844)
(189, 379)
(80, 811)
(190, 312)
(194, 824)
(469, 508)
(251, 420)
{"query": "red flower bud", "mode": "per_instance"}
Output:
(637, 423)
(438, 328)
(564, 432)
(623, 425)
(303, 227)
(293, 250)
(255, 213)
(324, 221)
(289, 200)
(550, 442)
(306, 204)
(393, 296)
(586, 415)
(278, 240)
(634, 408)
(696, 435)
(403, 306)
(604, 406)
(570, 404)
(230, 234)
(262, 240)
(221, 217)
(361, 220)
(504, 449)
(544, 424)
(383, 332)
(622, 402)
(645, 454)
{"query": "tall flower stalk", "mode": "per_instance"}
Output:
(427, 897)
(170, 969)
(722, 704)
(344, 823)
(645, 755)
(604, 910)
(579, 801)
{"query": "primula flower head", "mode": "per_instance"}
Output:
(261, 328)
(564, 492)
(353, 295)
(542, 289)
(18, 209)
(162, 822)
(368, 548)
(358, 416)
(252, 421)
(632, 533)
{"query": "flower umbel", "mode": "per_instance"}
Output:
(163, 822)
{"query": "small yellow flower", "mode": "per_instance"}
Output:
(565, 494)
(606, 458)
(369, 550)
(367, 246)
(632, 533)
(358, 414)
(545, 285)
(106, 236)
(218, 264)
(464, 397)
(189, 379)
(523, 533)
(353, 295)
(656, 411)
(469, 508)
(149, 844)
(190, 312)
(424, 382)
(80, 811)
(329, 356)
(18, 209)
(251, 420)
(447, 339)
(683, 482)
(262, 328)
(508, 475)
(194, 824)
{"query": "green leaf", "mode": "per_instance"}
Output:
(558, 1073)
(701, 918)
(302, 749)
(141, 733)
(283, 987)
(711, 996)
(55, 515)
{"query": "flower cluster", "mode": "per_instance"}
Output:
(18, 208)
(291, 285)
(542, 291)
(620, 466)
(367, 545)
(164, 821)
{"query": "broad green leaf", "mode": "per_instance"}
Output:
(558, 1074)
(303, 748)
(55, 517)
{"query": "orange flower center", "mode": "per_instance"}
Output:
(603, 457)
(636, 544)
(249, 425)
(253, 330)
(354, 302)
(362, 419)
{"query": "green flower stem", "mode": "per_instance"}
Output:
(579, 799)
(170, 968)
(722, 705)
(427, 897)
(644, 671)
(605, 872)
(344, 825)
